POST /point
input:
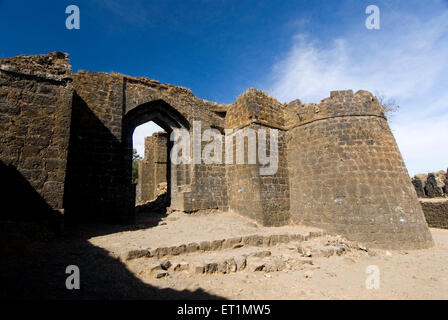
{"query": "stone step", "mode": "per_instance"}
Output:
(254, 240)
(224, 262)
(294, 255)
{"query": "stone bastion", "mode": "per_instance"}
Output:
(66, 154)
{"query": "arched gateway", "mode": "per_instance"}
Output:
(69, 137)
(107, 108)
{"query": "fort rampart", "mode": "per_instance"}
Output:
(66, 139)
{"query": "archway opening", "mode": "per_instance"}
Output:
(150, 168)
(155, 184)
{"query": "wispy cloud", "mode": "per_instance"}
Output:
(406, 60)
(132, 12)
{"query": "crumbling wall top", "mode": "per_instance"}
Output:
(255, 106)
(339, 104)
(52, 66)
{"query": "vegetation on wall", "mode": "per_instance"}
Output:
(135, 159)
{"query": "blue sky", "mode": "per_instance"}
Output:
(291, 49)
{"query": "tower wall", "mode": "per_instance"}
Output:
(347, 174)
(263, 197)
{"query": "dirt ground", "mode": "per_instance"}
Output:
(417, 274)
(37, 270)
(178, 228)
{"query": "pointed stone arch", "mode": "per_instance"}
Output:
(168, 118)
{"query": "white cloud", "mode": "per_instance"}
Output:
(136, 13)
(406, 60)
(142, 131)
(423, 144)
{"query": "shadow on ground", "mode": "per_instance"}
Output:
(34, 258)
(31, 269)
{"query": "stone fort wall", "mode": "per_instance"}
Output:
(431, 185)
(264, 198)
(347, 174)
(432, 189)
(339, 166)
(35, 110)
(152, 170)
(436, 212)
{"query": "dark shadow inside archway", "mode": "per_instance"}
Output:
(33, 262)
(167, 118)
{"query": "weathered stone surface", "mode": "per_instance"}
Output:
(205, 246)
(445, 189)
(273, 265)
(35, 117)
(264, 198)
(210, 267)
(435, 184)
(67, 143)
(419, 182)
(176, 250)
(432, 185)
(436, 213)
(161, 252)
(255, 264)
(182, 266)
(216, 245)
(152, 171)
(231, 265)
(166, 264)
(230, 243)
(160, 274)
(135, 254)
(261, 254)
(347, 175)
(192, 247)
(198, 268)
(284, 238)
(240, 262)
